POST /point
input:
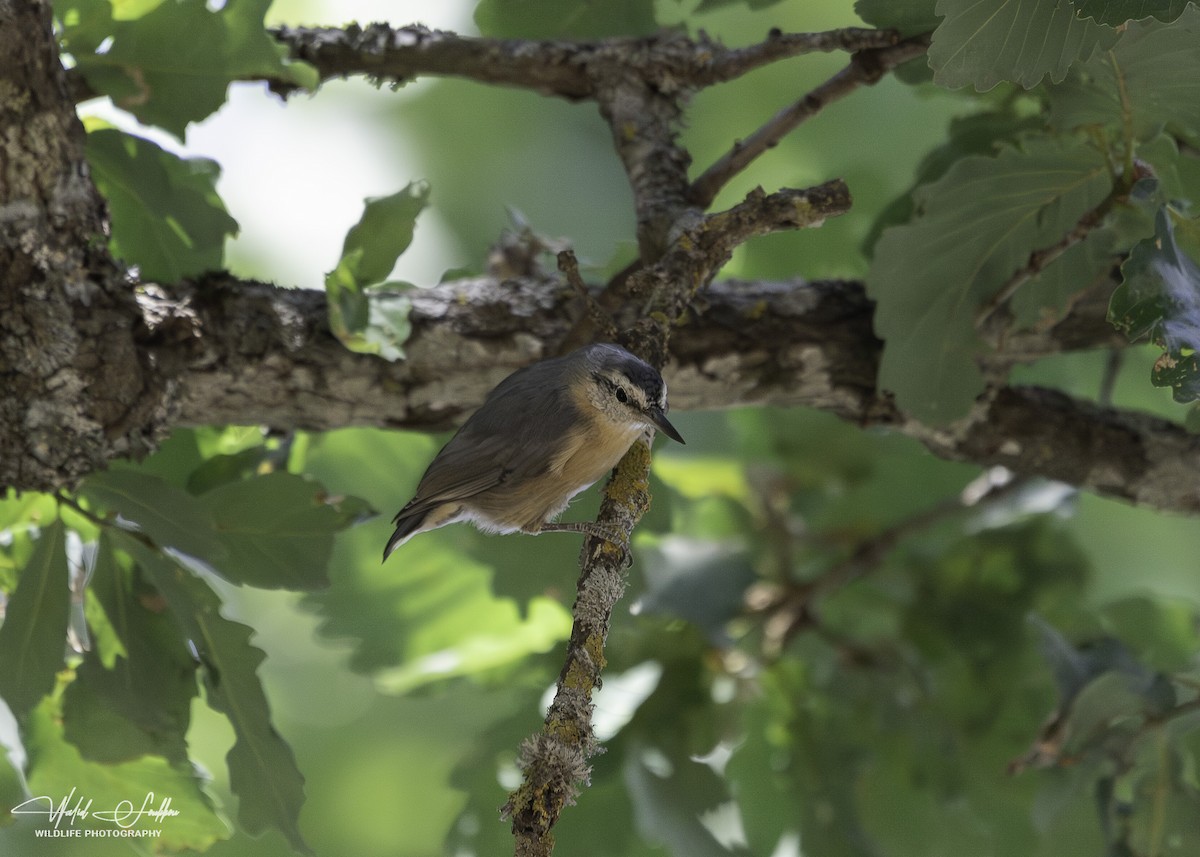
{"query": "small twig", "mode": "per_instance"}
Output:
(1040, 259)
(599, 320)
(865, 68)
(66, 499)
(728, 64)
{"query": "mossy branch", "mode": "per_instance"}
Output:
(555, 760)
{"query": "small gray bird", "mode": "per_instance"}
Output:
(547, 432)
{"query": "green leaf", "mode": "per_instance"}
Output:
(173, 64)
(57, 770)
(979, 134)
(909, 17)
(974, 229)
(1114, 13)
(34, 633)
(984, 42)
(166, 216)
(1159, 296)
(384, 231)
(171, 517)
(1151, 78)
(262, 768)
(140, 704)
(375, 323)
(278, 530)
(580, 19)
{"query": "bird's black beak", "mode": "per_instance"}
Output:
(663, 424)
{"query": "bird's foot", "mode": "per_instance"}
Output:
(615, 536)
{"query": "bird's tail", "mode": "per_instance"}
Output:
(407, 525)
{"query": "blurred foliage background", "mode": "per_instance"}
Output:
(835, 644)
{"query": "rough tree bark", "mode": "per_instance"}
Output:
(78, 387)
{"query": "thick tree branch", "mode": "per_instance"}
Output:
(250, 353)
(241, 352)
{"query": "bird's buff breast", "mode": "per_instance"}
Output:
(583, 460)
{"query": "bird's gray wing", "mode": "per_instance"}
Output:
(510, 437)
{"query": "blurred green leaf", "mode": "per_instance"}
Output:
(141, 703)
(482, 650)
(56, 771)
(262, 769)
(974, 229)
(1107, 713)
(669, 795)
(1165, 633)
(1159, 297)
(579, 19)
(709, 5)
(1117, 12)
(696, 477)
(429, 614)
(909, 17)
(166, 215)
(277, 529)
(984, 42)
(701, 581)
(1074, 667)
(375, 323)
(1149, 79)
(34, 633)
(172, 64)
(25, 510)
(171, 517)
(1166, 805)
(755, 771)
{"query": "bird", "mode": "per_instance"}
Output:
(544, 434)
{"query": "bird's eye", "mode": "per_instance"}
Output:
(622, 396)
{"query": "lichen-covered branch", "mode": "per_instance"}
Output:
(555, 759)
(562, 68)
(251, 353)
